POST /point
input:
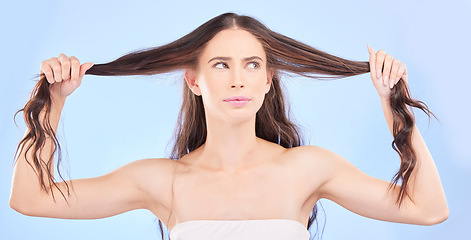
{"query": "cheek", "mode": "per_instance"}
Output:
(211, 88)
(261, 83)
(259, 88)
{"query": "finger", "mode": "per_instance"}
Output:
(387, 69)
(56, 69)
(379, 62)
(402, 72)
(372, 62)
(84, 68)
(394, 72)
(65, 67)
(75, 70)
(404, 76)
(47, 70)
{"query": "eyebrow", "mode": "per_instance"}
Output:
(229, 58)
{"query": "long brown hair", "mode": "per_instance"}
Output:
(272, 124)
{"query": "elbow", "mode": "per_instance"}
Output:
(14, 206)
(438, 217)
(436, 220)
(20, 208)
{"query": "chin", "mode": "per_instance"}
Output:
(238, 115)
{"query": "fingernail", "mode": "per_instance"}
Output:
(391, 85)
(368, 47)
(386, 78)
(378, 73)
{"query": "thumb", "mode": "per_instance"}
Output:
(372, 62)
(84, 68)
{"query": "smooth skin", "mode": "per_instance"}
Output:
(235, 175)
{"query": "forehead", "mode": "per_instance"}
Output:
(233, 42)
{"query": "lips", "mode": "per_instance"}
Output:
(236, 98)
(237, 101)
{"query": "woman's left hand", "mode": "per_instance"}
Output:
(385, 72)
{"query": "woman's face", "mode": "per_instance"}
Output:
(232, 66)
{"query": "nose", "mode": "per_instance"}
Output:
(236, 81)
(237, 85)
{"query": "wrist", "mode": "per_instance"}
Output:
(58, 98)
(57, 102)
(384, 99)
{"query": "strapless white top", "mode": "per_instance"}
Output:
(273, 229)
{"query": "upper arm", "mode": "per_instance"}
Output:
(126, 188)
(356, 191)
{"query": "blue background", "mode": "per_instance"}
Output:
(110, 121)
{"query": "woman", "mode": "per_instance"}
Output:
(237, 169)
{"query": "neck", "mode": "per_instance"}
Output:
(230, 147)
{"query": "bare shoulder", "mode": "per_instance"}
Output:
(157, 170)
(319, 158)
(153, 164)
(308, 155)
(314, 164)
(154, 177)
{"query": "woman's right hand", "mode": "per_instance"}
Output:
(64, 74)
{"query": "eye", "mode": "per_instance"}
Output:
(220, 65)
(254, 64)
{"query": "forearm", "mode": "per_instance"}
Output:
(424, 187)
(25, 183)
